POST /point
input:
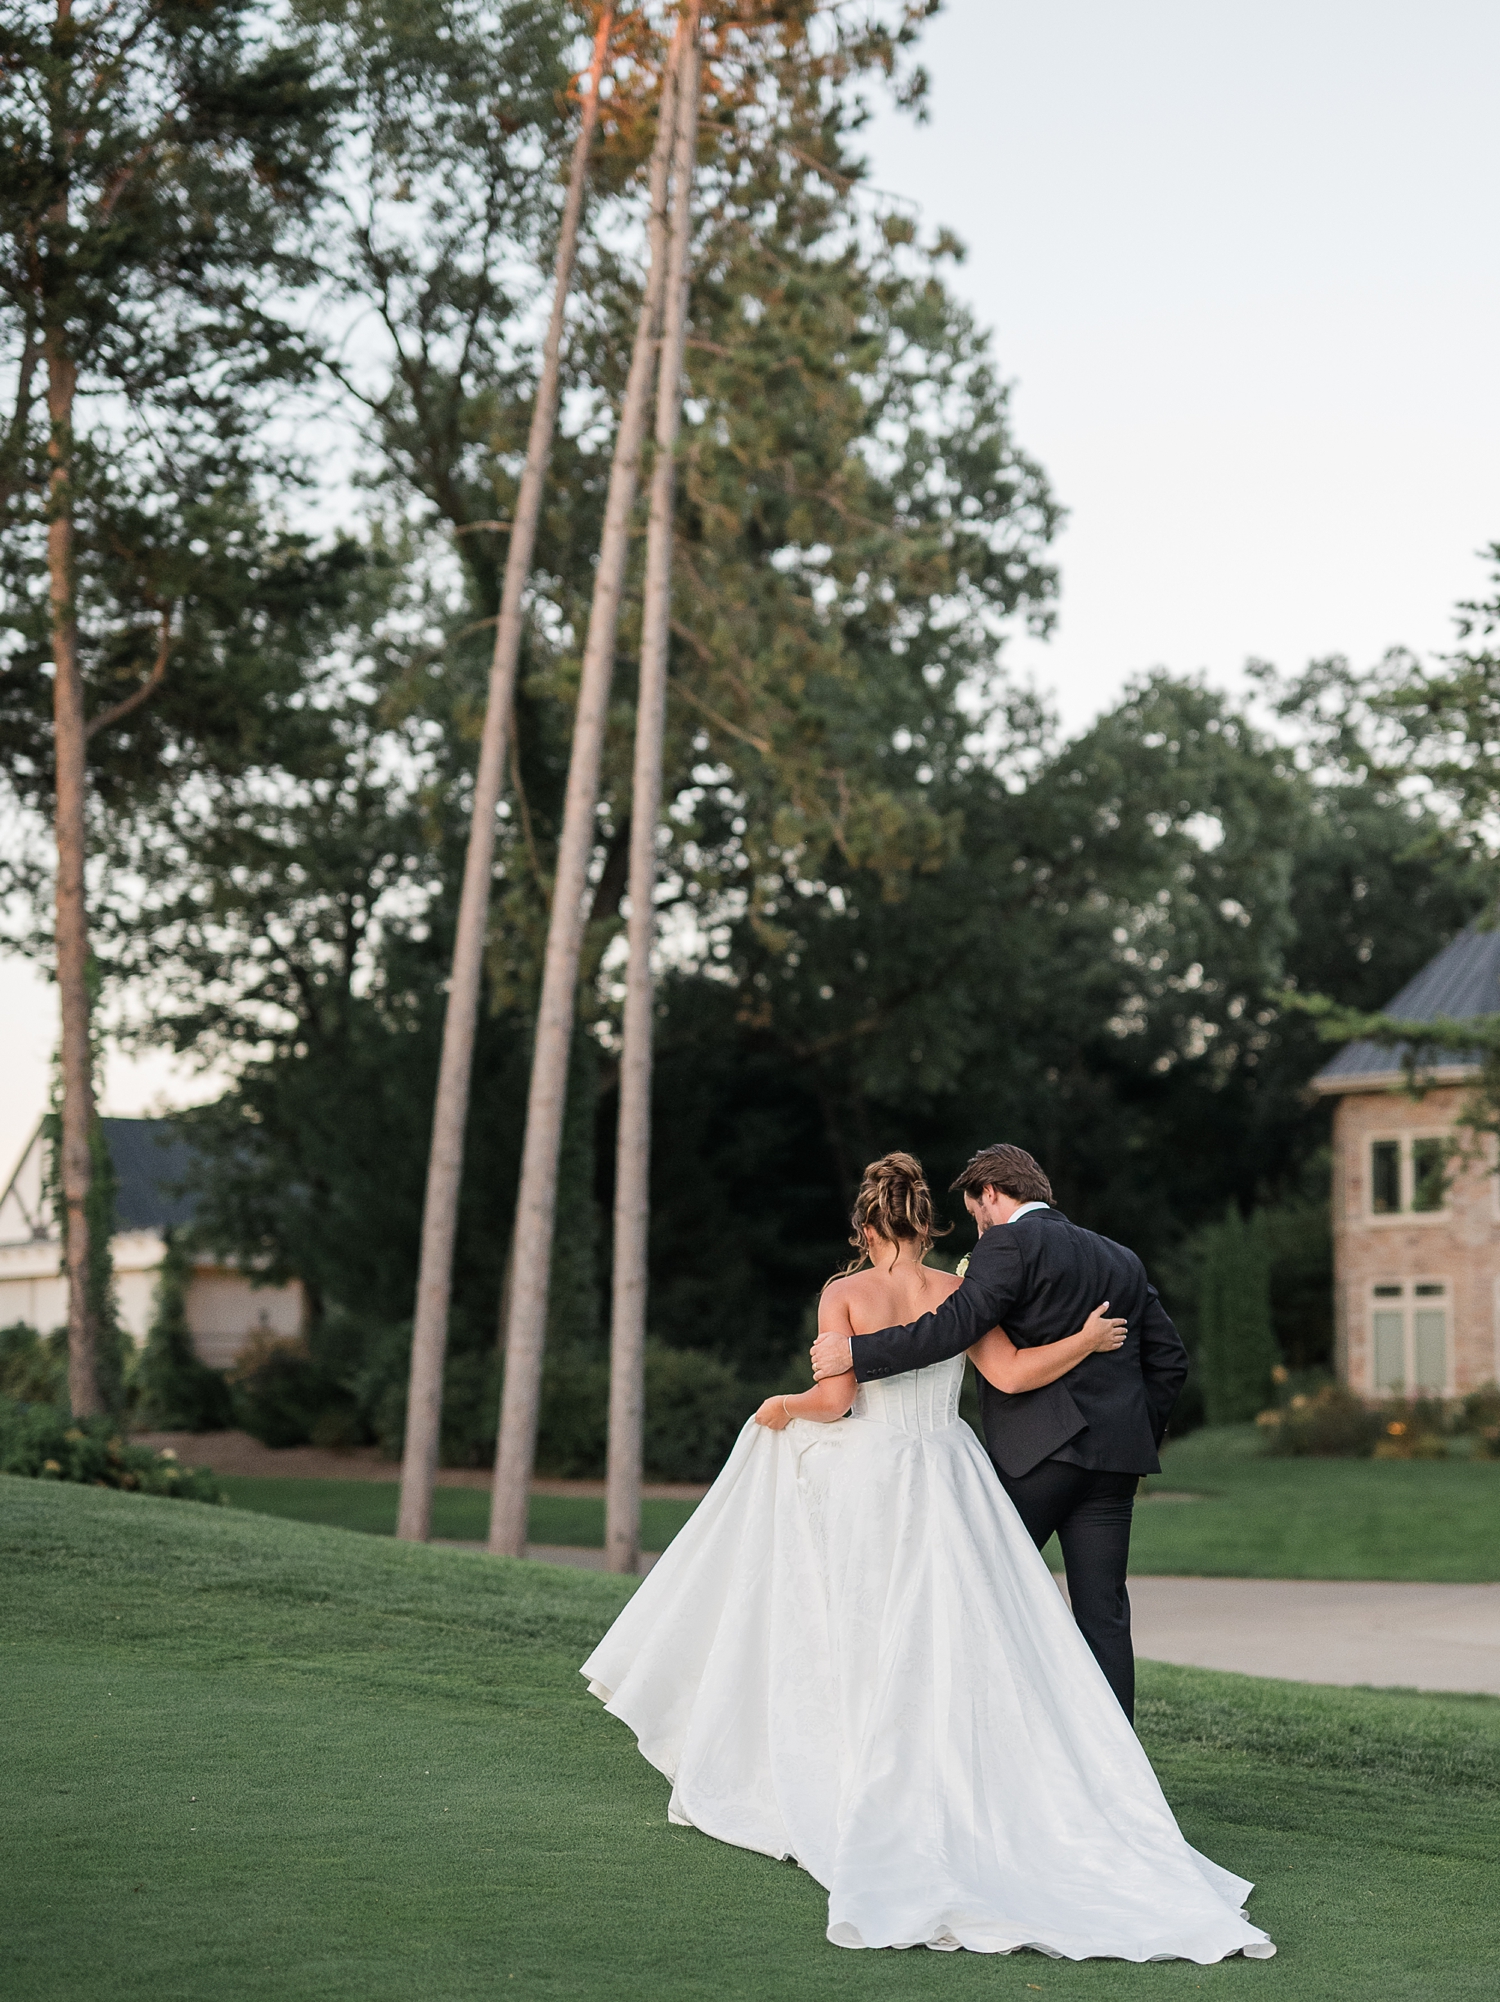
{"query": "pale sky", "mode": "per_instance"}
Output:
(1241, 266)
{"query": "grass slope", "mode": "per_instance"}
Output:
(257, 1759)
(1260, 1518)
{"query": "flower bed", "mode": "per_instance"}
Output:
(42, 1441)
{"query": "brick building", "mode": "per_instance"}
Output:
(1416, 1232)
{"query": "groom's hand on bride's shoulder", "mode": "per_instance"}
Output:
(832, 1355)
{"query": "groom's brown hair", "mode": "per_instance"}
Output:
(1011, 1170)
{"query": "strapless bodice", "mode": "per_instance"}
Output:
(923, 1400)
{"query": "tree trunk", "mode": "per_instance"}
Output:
(627, 1343)
(429, 1345)
(70, 747)
(536, 1203)
(70, 752)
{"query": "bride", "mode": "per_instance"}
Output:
(854, 1655)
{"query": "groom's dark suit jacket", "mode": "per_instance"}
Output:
(1040, 1278)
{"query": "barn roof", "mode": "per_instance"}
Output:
(1461, 982)
(153, 1164)
(154, 1170)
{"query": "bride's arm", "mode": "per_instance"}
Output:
(831, 1396)
(827, 1400)
(1008, 1368)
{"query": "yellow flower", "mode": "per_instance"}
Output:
(51, 1467)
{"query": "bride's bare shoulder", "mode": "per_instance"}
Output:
(841, 1291)
(870, 1291)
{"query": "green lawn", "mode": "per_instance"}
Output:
(1262, 1518)
(248, 1759)
(458, 1514)
(1258, 1518)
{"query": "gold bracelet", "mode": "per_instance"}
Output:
(784, 1412)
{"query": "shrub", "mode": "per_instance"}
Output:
(471, 1400)
(40, 1440)
(1413, 1431)
(1482, 1418)
(573, 1421)
(279, 1391)
(33, 1367)
(1421, 1428)
(1335, 1422)
(1400, 1442)
(1236, 1346)
(347, 1382)
(175, 1389)
(1330, 1423)
(695, 1406)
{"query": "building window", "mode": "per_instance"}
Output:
(1409, 1339)
(1429, 1174)
(1385, 1177)
(1409, 1176)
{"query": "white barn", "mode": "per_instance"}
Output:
(153, 1166)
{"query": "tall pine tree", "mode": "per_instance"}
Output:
(155, 156)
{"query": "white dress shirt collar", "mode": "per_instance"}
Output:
(1025, 1210)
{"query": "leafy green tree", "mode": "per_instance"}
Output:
(897, 908)
(1091, 973)
(152, 158)
(323, 910)
(1431, 732)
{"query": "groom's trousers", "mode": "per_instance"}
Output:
(1090, 1514)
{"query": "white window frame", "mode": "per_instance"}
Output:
(1408, 1179)
(1409, 1305)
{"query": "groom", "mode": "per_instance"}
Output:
(1068, 1455)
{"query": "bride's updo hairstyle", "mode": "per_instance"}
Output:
(894, 1200)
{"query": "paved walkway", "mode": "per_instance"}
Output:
(1389, 1636)
(1441, 1637)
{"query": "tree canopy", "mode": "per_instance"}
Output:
(897, 906)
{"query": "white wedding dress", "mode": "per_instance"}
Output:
(854, 1655)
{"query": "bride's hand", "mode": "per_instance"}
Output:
(1104, 1333)
(774, 1414)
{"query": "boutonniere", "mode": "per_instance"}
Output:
(962, 1266)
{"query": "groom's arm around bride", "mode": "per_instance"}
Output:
(1070, 1453)
(1039, 1276)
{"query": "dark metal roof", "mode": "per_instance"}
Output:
(1464, 980)
(154, 1170)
